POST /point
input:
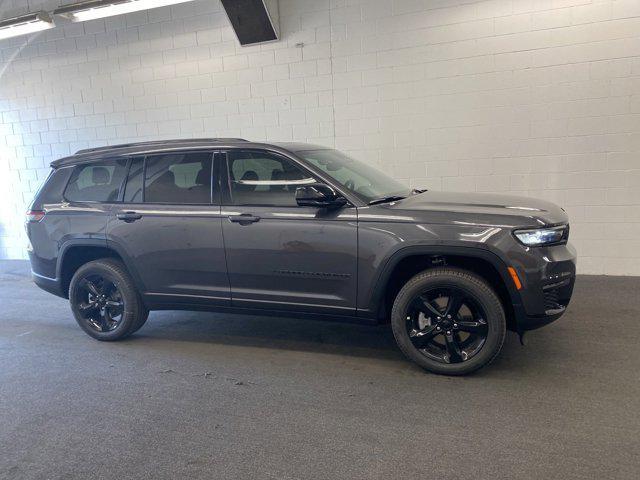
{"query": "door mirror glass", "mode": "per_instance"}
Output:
(319, 195)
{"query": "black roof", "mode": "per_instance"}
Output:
(127, 149)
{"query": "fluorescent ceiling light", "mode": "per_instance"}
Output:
(33, 22)
(92, 9)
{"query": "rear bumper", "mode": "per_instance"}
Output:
(547, 288)
(51, 285)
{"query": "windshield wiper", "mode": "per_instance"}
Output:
(390, 198)
(417, 191)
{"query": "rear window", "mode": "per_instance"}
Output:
(96, 182)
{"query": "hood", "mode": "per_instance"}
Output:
(482, 208)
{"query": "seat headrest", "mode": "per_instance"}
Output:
(286, 175)
(166, 178)
(250, 175)
(203, 177)
(100, 175)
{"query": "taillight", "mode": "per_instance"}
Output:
(35, 216)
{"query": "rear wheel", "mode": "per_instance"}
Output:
(105, 301)
(448, 321)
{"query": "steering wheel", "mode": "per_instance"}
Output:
(350, 184)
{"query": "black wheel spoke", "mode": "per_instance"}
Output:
(114, 304)
(91, 287)
(454, 354)
(426, 307)
(108, 319)
(86, 307)
(454, 303)
(98, 322)
(420, 338)
(472, 326)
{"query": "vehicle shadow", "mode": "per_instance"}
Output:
(278, 333)
(271, 332)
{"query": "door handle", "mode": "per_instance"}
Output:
(129, 217)
(244, 218)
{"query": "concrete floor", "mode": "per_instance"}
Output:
(198, 395)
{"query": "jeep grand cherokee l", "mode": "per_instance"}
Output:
(293, 229)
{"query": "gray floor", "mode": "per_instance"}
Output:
(198, 395)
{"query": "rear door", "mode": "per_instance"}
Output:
(281, 255)
(169, 225)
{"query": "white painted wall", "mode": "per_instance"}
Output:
(532, 97)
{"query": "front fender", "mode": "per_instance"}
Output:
(374, 301)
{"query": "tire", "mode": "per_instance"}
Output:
(427, 336)
(105, 301)
(141, 321)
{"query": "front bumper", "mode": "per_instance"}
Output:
(548, 279)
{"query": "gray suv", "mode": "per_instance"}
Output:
(293, 229)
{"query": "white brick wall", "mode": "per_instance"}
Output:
(531, 97)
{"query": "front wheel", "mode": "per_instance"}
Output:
(449, 321)
(105, 301)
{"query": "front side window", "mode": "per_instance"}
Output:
(96, 182)
(363, 180)
(264, 179)
(182, 178)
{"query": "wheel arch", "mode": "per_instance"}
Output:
(409, 261)
(78, 252)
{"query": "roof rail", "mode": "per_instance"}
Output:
(158, 142)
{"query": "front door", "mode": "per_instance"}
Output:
(280, 255)
(169, 225)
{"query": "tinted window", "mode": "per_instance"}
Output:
(360, 178)
(52, 189)
(133, 190)
(182, 178)
(96, 182)
(262, 178)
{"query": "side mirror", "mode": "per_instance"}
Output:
(319, 195)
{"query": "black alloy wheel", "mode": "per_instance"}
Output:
(449, 321)
(99, 303)
(105, 301)
(446, 325)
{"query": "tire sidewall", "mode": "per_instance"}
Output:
(473, 286)
(129, 296)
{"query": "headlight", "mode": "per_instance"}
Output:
(542, 236)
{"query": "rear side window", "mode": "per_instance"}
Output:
(96, 182)
(183, 178)
(52, 189)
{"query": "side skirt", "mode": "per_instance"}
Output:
(155, 304)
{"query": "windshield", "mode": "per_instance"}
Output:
(366, 182)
